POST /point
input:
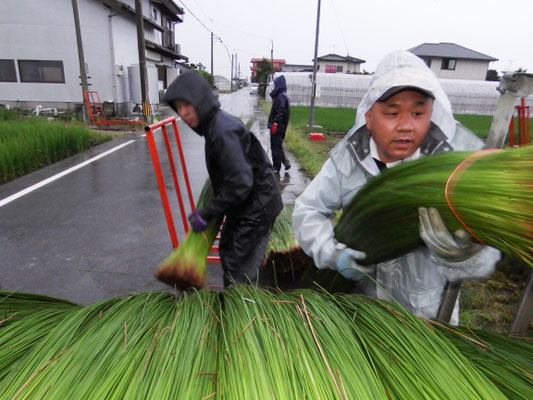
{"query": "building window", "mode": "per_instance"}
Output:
(7, 71)
(339, 68)
(43, 71)
(427, 61)
(331, 69)
(448, 63)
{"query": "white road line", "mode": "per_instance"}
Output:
(30, 189)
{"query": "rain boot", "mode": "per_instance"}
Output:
(286, 163)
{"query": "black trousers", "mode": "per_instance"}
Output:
(276, 146)
(242, 248)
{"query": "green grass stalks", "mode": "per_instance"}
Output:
(506, 361)
(401, 345)
(249, 343)
(284, 253)
(29, 144)
(290, 346)
(330, 119)
(25, 376)
(493, 197)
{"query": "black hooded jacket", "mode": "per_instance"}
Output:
(242, 176)
(280, 111)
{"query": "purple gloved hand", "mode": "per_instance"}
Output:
(197, 222)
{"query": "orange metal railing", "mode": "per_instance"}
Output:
(150, 137)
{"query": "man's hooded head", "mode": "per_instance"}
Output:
(400, 71)
(280, 86)
(194, 89)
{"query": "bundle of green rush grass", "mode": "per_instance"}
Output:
(147, 346)
(248, 343)
(506, 361)
(488, 193)
(186, 266)
(284, 254)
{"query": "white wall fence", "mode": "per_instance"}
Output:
(346, 91)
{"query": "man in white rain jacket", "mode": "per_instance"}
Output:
(404, 115)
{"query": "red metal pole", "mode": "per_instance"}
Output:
(175, 178)
(527, 124)
(521, 123)
(511, 132)
(183, 165)
(159, 124)
(162, 189)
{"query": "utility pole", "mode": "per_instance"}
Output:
(236, 76)
(313, 84)
(272, 57)
(81, 58)
(231, 77)
(142, 60)
(211, 53)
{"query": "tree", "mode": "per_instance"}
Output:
(200, 68)
(210, 78)
(264, 70)
(492, 75)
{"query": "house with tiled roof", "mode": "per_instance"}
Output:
(336, 64)
(452, 61)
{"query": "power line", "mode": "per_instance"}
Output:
(198, 19)
(340, 29)
(207, 28)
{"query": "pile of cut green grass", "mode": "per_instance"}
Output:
(249, 343)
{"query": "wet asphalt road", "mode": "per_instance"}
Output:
(100, 231)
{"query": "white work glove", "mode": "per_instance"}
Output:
(346, 263)
(440, 241)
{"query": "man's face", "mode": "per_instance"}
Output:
(187, 113)
(400, 124)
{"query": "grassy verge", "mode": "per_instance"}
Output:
(488, 304)
(30, 143)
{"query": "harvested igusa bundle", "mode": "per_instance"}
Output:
(249, 343)
(284, 253)
(488, 193)
(186, 266)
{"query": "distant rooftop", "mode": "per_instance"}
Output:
(276, 60)
(336, 57)
(448, 50)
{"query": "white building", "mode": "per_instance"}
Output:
(451, 61)
(39, 61)
(336, 64)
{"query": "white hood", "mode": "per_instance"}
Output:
(402, 68)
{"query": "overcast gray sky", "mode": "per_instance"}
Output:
(364, 29)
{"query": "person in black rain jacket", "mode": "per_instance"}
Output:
(246, 190)
(278, 120)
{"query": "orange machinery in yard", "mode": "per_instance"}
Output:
(97, 112)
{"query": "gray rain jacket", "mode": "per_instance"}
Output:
(416, 280)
